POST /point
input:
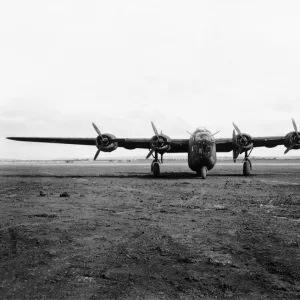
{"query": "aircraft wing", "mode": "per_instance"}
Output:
(177, 145)
(226, 145)
(56, 140)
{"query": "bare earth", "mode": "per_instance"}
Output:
(124, 235)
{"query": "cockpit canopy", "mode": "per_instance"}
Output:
(201, 133)
(202, 129)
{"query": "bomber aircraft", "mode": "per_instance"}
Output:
(201, 146)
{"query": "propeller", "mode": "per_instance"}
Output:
(296, 129)
(150, 153)
(290, 147)
(100, 135)
(235, 152)
(243, 142)
(96, 155)
(154, 129)
(100, 140)
(160, 142)
(239, 132)
(97, 129)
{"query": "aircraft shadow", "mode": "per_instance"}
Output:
(149, 176)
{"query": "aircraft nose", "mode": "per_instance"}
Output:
(204, 147)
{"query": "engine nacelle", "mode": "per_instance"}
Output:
(105, 143)
(292, 139)
(161, 143)
(243, 142)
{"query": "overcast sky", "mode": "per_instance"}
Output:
(121, 64)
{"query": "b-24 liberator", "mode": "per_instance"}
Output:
(201, 146)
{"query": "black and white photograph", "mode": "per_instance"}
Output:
(149, 150)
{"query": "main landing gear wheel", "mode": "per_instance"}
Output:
(155, 169)
(247, 165)
(202, 172)
(247, 168)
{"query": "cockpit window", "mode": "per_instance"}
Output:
(202, 129)
(203, 136)
(204, 148)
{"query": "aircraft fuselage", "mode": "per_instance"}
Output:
(202, 150)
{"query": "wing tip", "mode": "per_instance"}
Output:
(14, 138)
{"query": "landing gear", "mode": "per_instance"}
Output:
(246, 168)
(202, 172)
(155, 168)
(247, 165)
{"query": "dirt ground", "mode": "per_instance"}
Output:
(122, 234)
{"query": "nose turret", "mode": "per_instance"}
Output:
(204, 144)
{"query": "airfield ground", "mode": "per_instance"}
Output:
(125, 235)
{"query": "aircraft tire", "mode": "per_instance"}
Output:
(246, 168)
(203, 172)
(152, 165)
(156, 169)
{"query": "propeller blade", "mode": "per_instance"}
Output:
(288, 149)
(296, 129)
(236, 153)
(154, 129)
(233, 134)
(294, 124)
(150, 153)
(238, 130)
(96, 155)
(97, 129)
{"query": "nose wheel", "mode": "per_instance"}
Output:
(202, 173)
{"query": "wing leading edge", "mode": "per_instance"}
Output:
(226, 145)
(56, 140)
(177, 145)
